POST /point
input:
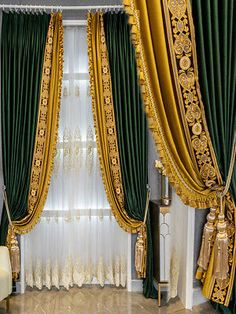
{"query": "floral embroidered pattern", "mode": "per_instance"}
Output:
(180, 41)
(90, 150)
(74, 271)
(42, 123)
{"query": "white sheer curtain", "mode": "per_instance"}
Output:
(77, 240)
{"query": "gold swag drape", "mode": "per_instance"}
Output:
(172, 98)
(47, 125)
(163, 36)
(104, 122)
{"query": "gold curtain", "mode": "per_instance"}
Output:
(163, 36)
(104, 121)
(47, 126)
(172, 98)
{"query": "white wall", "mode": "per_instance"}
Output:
(183, 220)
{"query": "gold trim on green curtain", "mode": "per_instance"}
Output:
(104, 121)
(163, 35)
(189, 163)
(47, 127)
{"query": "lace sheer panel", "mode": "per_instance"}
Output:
(77, 240)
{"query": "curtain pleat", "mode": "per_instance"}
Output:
(22, 51)
(105, 122)
(47, 126)
(131, 126)
(32, 50)
(215, 31)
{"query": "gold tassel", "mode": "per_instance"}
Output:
(141, 252)
(221, 266)
(208, 231)
(14, 251)
(141, 243)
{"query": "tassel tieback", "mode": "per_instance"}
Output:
(208, 232)
(141, 243)
(221, 265)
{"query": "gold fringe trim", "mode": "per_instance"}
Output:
(28, 222)
(188, 195)
(126, 223)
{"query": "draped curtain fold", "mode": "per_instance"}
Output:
(104, 122)
(215, 31)
(32, 47)
(120, 124)
(23, 43)
(164, 39)
(169, 85)
(131, 126)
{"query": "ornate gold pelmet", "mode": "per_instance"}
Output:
(104, 122)
(47, 126)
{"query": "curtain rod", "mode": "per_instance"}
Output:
(59, 8)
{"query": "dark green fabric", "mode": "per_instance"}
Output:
(131, 125)
(215, 31)
(23, 42)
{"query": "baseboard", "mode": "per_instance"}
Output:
(198, 298)
(136, 285)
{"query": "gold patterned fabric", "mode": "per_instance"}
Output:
(47, 126)
(104, 121)
(163, 36)
(166, 58)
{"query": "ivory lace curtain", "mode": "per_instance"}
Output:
(70, 244)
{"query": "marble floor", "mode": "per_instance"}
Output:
(91, 300)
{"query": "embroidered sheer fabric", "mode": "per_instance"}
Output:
(77, 240)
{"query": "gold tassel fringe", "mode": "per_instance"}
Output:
(221, 265)
(208, 232)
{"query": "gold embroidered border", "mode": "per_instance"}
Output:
(184, 65)
(188, 196)
(180, 29)
(34, 211)
(126, 223)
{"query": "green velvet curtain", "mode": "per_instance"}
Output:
(23, 42)
(131, 126)
(215, 30)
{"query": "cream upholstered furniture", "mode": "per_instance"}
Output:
(5, 275)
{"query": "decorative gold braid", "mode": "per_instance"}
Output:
(185, 72)
(188, 195)
(125, 222)
(28, 222)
